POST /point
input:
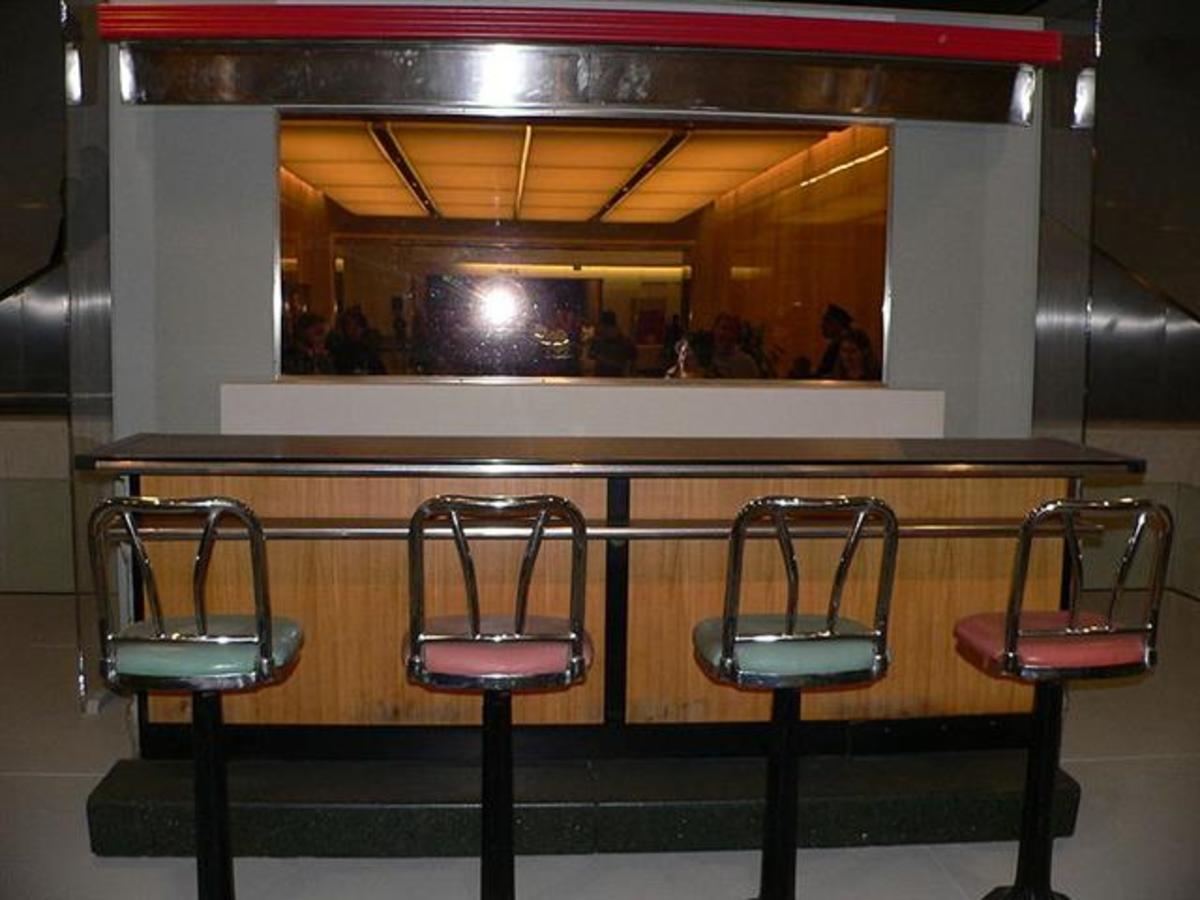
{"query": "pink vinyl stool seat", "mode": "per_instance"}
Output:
(497, 655)
(1049, 648)
(981, 639)
(508, 659)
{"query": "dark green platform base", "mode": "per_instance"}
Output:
(395, 809)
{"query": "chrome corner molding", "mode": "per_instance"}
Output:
(1083, 114)
(1024, 95)
(126, 76)
(73, 75)
(504, 79)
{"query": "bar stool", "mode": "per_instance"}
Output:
(496, 654)
(202, 654)
(788, 652)
(1048, 648)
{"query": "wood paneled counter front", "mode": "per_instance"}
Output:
(336, 510)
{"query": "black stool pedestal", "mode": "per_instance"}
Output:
(497, 880)
(777, 880)
(1037, 836)
(214, 859)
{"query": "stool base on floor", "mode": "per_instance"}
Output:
(1012, 892)
(777, 879)
(214, 858)
(497, 880)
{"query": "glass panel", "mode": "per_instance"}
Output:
(568, 250)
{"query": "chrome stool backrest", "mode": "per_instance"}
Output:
(497, 517)
(784, 512)
(1147, 516)
(131, 513)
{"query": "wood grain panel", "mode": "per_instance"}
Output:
(351, 598)
(673, 585)
(810, 231)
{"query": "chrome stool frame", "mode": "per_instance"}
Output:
(261, 665)
(1070, 630)
(778, 865)
(475, 633)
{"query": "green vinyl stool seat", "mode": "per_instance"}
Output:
(204, 655)
(789, 651)
(138, 652)
(777, 663)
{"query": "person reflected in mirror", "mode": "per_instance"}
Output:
(855, 361)
(729, 360)
(687, 361)
(307, 354)
(354, 345)
(295, 305)
(836, 324)
(611, 352)
(672, 335)
(801, 368)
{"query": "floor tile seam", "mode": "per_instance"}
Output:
(946, 873)
(1133, 758)
(5, 595)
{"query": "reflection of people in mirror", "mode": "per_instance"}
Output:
(687, 363)
(837, 327)
(855, 361)
(611, 352)
(307, 354)
(728, 359)
(354, 345)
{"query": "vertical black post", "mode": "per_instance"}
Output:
(1037, 814)
(778, 878)
(497, 881)
(214, 859)
(616, 604)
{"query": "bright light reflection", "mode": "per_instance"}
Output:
(501, 75)
(500, 304)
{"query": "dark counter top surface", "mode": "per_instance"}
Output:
(352, 455)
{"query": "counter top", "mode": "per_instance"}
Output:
(194, 454)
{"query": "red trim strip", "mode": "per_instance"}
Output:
(579, 26)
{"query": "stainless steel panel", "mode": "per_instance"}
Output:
(1144, 351)
(1064, 244)
(1147, 180)
(90, 351)
(31, 140)
(1128, 338)
(1060, 348)
(1181, 365)
(33, 344)
(615, 82)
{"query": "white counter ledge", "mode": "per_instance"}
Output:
(504, 406)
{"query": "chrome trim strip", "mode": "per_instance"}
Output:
(594, 470)
(451, 79)
(699, 530)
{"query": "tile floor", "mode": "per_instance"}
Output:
(1135, 747)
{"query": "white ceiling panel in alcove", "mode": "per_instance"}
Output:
(505, 172)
